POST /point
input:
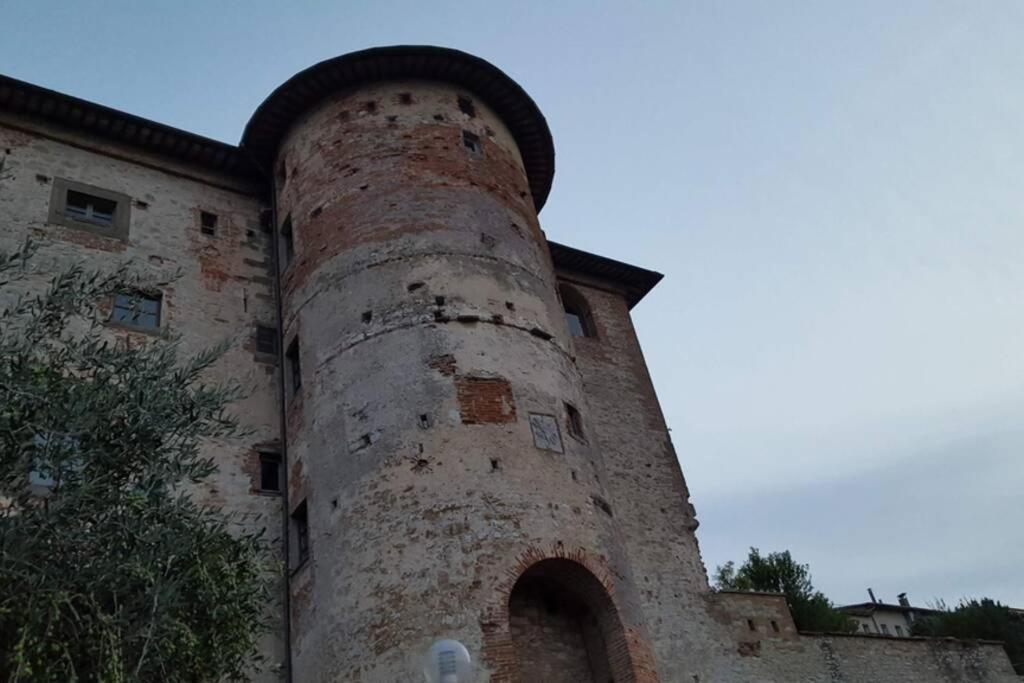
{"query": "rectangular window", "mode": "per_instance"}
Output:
(885, 629)
(286, 243)
(574, 421)
(266, 340)
(291, 357)
(137, 310)
(208, 223)
(899, 630)
(300, 533)
(867, 629)
(84, 207)
(270, 472)
(89, 209)
(471, 141)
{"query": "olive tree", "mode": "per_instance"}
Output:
(110, 570)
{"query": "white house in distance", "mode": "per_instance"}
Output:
(883, 618)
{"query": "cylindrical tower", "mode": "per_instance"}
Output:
(441, 478)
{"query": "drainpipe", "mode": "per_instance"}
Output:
(283, 419)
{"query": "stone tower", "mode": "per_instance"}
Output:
(437, 427)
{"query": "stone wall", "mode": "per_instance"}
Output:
(223, 291)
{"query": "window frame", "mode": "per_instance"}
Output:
(120, 221)
(208, 227)
(274, 458)
(143, 295)
(293, 368)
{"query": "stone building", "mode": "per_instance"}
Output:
(454, 426)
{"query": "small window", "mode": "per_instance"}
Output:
(775, 626)
(577, 313)
(266, 340)
(270, 472)
(135, 309)
(208, 223)
(89, 209)
(750, 625)
(885, 629)
(899, 630)
(286, 243)
(300, 533)
(574, 422)
(471, 141)
(85, 207)
(866, 628)
(294, 371)
(466, 106)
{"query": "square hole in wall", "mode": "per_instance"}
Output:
(471, 141)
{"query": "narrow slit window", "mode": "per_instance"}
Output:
(574, 421)
(286, 243)
(137, 310)
(270, 472)
(87, 208)
(294, 371)
(208, 223)
(471, 141)
(300, 531)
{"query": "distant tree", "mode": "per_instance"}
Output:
(983, 619)
(779, 573)
(109, 570)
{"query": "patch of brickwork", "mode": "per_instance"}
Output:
(485, 400)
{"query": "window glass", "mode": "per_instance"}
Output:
(136, 310)
(84, 207)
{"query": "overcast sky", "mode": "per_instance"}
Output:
(834, 191)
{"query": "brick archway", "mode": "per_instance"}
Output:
(558, 611)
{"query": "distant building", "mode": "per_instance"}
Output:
(886, 619)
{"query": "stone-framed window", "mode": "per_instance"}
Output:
(574, 422)
(578, 317)
(86, 207)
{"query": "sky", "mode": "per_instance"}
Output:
(833, 190)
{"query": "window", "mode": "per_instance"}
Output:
(750, 625)
(867, 629)
(84, 207)
(300, 534)
(885, 629)
(577, 312)
(58, 461)
(291, 357)
(471, 141)
(266, 340)
(775, 626)
(574, 421)
(286, 243)
(136, 309)
(270, 472)
(899, 630)
(207, 223)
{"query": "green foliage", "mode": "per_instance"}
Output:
(983, 619)
(112, 573)
(779, 573)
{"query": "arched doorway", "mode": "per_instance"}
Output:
(565, 628)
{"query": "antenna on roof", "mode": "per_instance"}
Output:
(872, 594)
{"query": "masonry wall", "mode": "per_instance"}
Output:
(648, 495)
(431, 342)
(224, 287)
